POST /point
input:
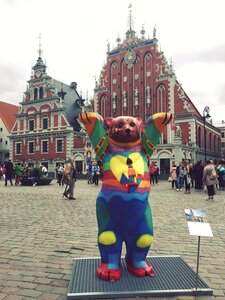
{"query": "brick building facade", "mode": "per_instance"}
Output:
(46, 130)
(138, 80)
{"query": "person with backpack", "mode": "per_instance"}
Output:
(69, 178)
(210, 179)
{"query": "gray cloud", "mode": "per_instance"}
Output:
(212, 55)
(12, 77)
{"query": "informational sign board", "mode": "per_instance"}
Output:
(198, 223)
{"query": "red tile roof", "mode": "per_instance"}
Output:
(8, 114)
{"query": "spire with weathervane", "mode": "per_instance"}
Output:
(40, 65)
(130, 32)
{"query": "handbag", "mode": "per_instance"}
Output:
(170, 179)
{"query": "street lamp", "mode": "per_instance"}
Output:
(206, 115)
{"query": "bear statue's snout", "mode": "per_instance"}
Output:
(127, 130)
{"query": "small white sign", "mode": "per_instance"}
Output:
(198, 223)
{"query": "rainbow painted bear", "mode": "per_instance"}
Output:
(124, 145)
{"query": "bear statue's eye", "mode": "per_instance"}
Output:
(120, 125)
(132, 124)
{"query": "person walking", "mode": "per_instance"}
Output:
(187, 178)
(95, 172)
(60, 173)
(3, 170)
(152, 170)
(198, 173)
(180, 176)
(18, 173)
(9, 172)
(156, 174)
(173, 175)
(69, 179)
(36, 174)
(89, 173)
(210, 179)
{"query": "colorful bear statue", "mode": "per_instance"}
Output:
(124, 146)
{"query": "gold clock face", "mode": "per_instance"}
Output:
(38, 73)
(130, 57)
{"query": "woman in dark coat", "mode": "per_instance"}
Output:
(198, 174)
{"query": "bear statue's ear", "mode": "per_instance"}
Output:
(141, 125)
(108, 122)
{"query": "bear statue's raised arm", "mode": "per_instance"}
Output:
(94, 124)
(153, 130)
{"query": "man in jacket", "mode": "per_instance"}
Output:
(9, 172)
(69, 179)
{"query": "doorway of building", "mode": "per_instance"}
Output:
(79, 166)
(164, 167)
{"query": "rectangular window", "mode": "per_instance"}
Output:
(59, 145)
(45, 123)
(18, 148)
(0, 129)
(30, 147)
(222, 134)
(44, 147)
(31, 125)
(6, 142)
(223, 144)
(0, 140)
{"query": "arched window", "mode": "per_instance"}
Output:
(35, 93)
(45, 122)
(103, 106)
(210, 141)
(199, 137)
(31, 124)
(161, 104)
(218, 145)
(41, 93)
(214, 142)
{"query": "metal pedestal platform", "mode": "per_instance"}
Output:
(172, 277)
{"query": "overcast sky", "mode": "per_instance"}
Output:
(75, 34)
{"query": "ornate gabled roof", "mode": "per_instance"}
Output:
(131, 39)
(8, 114)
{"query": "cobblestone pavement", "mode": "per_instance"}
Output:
(41, 233)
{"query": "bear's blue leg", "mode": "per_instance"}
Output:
(110, 245)
(110, 249)
(138, 245)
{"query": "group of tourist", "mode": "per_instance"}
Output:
(94, 172)
(10, 171)
(187, 175)
(198, 176)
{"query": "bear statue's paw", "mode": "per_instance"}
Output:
(140, 272)
(108, 274)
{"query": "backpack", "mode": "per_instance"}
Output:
(213, 174)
